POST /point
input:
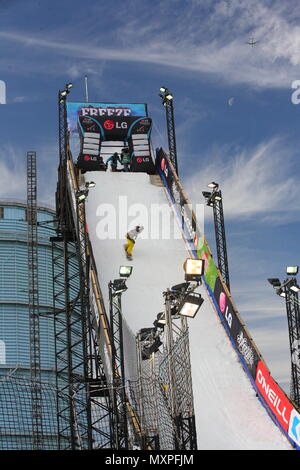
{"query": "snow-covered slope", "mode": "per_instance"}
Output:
(228, 413)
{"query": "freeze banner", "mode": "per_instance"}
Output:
(273, 397)
(102, 111)
(91, 124)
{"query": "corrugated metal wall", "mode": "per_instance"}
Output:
(14, 320)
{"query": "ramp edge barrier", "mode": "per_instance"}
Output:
(281, 409)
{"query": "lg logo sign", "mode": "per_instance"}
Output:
(2, 92)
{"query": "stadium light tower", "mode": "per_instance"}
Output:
(116, 289)
(289, 290)
(214, 200)
(167, 101)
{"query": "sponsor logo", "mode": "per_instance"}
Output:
(294, 426)
(93, 127)
(245, 349)
(273, 395)
(109, 124)
(86, 158)
(225, 309)
(142, 159)
(121, 125)
(92, 111)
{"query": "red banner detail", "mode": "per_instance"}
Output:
(274, 396)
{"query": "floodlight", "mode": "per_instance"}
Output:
(169, 96)
(292, 270)
(206, 194)
(69, 85)
(295, 288)
(81, 195)
(190, 305)
(213, 185)
(155, 345)
(194, 269)
(125, 271)
(179, 288)
(119, 286)
(218, 197)
(145, 333)
(90, 184)
(280, 292)
(163, 89)
(147, 351)
(274, 282)
(160, 320)
(64, 93)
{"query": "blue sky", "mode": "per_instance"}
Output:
(199, 50)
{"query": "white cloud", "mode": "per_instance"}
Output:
(12, 174)
(259, 181)
(207, 37)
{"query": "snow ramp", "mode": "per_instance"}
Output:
(238, 405)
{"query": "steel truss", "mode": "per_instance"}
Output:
(84, 409)
(164, 392)
(147, 396)
(118, 370)
(171, 132)
(219, 224)
(293, 317)
(179, 376)
(33, 304)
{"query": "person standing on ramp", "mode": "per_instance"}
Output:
(131, 238)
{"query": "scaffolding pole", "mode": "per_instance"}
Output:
(118, 370)
(293, 317)
(33, 303)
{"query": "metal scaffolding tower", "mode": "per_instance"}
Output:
(179, 376)
(33, 303)
(84, 407)
(167, 101)
(214, 199)
(293, 317)
(118, 370)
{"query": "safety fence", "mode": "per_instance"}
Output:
(157, 408)
(16, 414)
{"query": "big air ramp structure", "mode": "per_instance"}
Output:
(232, 400)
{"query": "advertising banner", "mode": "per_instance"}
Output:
(274, 396)
(90, 124)
(103, 111)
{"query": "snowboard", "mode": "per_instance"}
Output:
(129, 257)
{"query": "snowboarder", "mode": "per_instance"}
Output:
(125, 159)
(114, 159)
(131, 238)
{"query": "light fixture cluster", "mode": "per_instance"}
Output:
(63, 94)
(119, 285)
(212, 196)
(150, 342)
(165, 95)
(82, 194)
(183, 302)
(290, 283)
